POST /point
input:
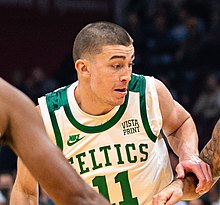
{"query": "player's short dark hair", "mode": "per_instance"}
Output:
(95, 35)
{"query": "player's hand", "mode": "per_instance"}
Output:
(200, 169)
(169, 195)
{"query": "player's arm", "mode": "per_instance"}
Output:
(211, 152)
(25, 188)
(182, 136)
(184, 189)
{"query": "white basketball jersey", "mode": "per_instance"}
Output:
(119, 154)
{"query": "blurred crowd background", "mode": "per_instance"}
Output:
(176, 41)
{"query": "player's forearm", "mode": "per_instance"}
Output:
(184, 141)
(211, 152)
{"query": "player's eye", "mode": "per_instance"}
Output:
(117, 66)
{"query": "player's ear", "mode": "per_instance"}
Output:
(82, 66)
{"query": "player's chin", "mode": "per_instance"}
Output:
(119, 97)
(119, 101)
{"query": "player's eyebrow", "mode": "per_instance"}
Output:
(121, 57)
(114, 57)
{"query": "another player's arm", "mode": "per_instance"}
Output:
(25, 188)
(211, 152)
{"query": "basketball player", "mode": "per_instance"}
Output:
(185, 189)
(21, 128)
(108, 123)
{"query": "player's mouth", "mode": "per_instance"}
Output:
(121, 90)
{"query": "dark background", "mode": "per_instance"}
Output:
(34, 36)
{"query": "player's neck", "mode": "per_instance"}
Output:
(90, 105)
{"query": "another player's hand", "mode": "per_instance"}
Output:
(169, 195)
(200, 169)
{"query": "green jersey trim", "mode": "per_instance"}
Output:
(54, 101)
(57, 99)
(138, 84)
(98, 128)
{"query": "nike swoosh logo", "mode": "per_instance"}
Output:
(71, 142)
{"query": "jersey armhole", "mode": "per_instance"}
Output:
(138, 84)
(55, 100)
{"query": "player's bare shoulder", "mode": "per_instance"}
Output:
(211, 152)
